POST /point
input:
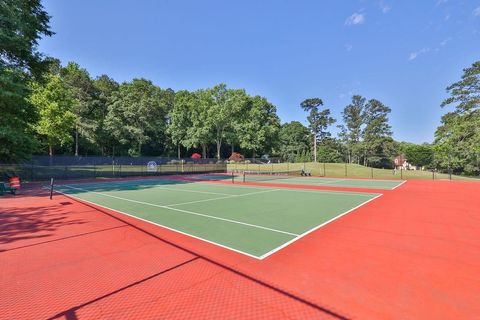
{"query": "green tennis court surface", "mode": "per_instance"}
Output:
(256, 221)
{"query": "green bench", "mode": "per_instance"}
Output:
(5, 188)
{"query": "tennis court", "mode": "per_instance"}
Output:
(255, 221)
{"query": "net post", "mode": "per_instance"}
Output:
(51, 188)
(243, 176)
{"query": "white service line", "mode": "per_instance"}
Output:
(186, 211)
(315, 228)
(220, 198)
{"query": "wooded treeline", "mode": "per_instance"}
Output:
(49, 108)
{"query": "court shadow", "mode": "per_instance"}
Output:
(39, 223)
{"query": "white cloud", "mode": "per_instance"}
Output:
(439, 2)
(444, 42)
(355, 18)
(348, 46)
(476, 12)
(415, 54)
(385, 7)
(447, 17)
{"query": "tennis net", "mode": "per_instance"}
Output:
(270, 175)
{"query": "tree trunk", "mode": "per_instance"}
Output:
(233, 148)
(178, 151)
(50, 150)
(219, 145)
(204, 151)
(139, 149)
(314, 148)
(76, 140)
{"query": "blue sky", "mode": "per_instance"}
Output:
(404, 53)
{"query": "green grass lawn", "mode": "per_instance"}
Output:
(339, 170)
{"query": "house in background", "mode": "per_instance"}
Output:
(400, 163)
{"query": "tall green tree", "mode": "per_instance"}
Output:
(259, 130)
(421, 155)
(180, 118)
(105, 88)
(201, 132)
(457, 139)
(294, 139)
(136, 114)
(319, 121)
(82, 87)
(377, 141)
(351, 131)
(54, 103)
(22, 24)
(223, 107)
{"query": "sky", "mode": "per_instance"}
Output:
(403, 53)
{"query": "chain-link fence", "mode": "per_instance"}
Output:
(431, 165)
(42, 168)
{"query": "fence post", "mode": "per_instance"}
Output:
(94, 171)
(371, 169)
(345, 169)
(401, 173)
(324, 170)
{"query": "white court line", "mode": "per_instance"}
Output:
(186, 211)
(220, 198)
(160, 225)
(398, 185)
(315, 228)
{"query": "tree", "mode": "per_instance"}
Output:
(180, 118)
(136, 114)
(351, 132)
(260, 127)
(377, 132)
(330, 150)
(22, 24)
(105, 88)
(418, 154)
(223, 107)
(318, 121)
(457, 139)
(294, 139)
(54, 104)
(78, 81)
